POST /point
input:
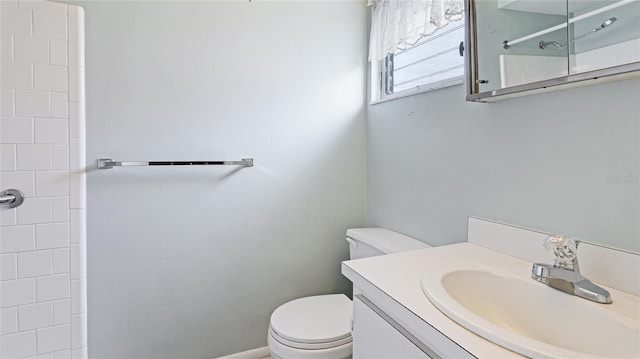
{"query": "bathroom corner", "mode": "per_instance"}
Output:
(43, 240)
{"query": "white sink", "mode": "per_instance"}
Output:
(530, 318)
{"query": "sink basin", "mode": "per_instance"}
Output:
(532, 319)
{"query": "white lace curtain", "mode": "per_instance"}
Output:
(399, 24)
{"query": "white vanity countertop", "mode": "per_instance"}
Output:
(398, 276)
(393, 282)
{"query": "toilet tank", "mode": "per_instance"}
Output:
(371, 242)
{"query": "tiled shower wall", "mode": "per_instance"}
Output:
(42, 242)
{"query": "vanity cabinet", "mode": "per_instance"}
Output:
(375, 335)
(518, 47)
(378, 333)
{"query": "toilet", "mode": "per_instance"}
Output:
(319, 327)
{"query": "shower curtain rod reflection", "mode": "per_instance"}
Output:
(106, 163)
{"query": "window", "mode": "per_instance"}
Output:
(414, 46)
(433, 62)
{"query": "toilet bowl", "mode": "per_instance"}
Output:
(319, 327)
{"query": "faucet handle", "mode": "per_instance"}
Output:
(564, 250)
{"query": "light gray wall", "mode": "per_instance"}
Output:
(563, 162)
(190, 262)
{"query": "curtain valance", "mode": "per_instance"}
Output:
(399, 24)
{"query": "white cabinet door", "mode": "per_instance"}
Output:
(375, 337)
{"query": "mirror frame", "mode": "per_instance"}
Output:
(621, 72)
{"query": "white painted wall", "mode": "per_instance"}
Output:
(563, 162)
(190, 262)
(42, 153)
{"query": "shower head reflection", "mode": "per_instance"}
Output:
(605, 24)
(608, 22)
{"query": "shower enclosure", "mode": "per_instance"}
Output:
(42, 148)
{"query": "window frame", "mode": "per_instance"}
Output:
(380, 77)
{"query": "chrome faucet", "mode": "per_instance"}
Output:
(564, 274)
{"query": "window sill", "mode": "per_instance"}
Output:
(421, 89)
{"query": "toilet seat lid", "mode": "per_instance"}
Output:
(317, 319)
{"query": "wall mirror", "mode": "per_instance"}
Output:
(517, 47)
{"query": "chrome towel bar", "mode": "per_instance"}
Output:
(105, 163)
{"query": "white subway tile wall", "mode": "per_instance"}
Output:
(6, 51)
(35, 316)
(8, 159)
(8, 320)
(62, 312)
(8, 269)
(43, 311)
(6, 98)
(32, 103)
(16, 130)
(31, 49)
